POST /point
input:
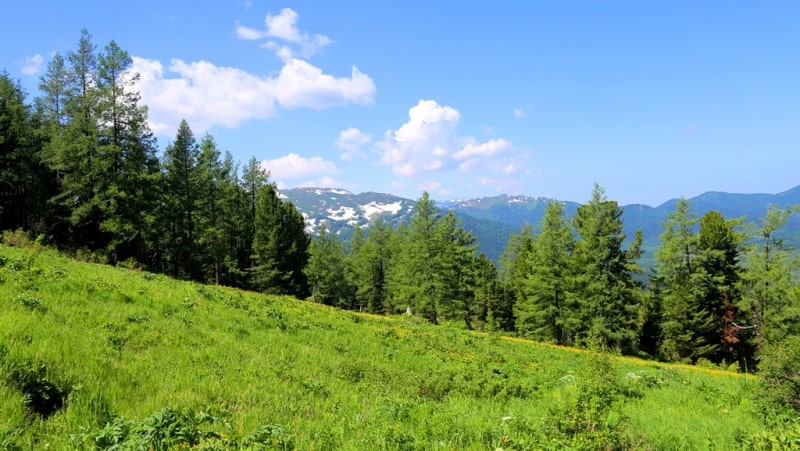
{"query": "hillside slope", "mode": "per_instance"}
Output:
(92, 356)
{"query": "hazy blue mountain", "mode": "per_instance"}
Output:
(493, 219)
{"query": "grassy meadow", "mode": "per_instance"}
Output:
(96, 357)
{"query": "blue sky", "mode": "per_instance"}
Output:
(652, 100)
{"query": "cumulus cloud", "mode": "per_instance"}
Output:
(352, 142)
(428, 142)
(206, 95)
(283, 27)
(294, 166)
(33, 64)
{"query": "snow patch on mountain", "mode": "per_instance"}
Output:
(342, 213)
(374, 208)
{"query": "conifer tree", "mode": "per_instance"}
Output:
(280, 245)
(675, 282)
(414, 276)
(23, 181)
(454, 275)
(371, 259)
(718, 283)
(543, 312)
(768, 281)
(182, 191)
(605, 293)
(327, 271)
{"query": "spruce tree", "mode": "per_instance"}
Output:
(24, 186)
(604, 292)
(774, 311)
(718, 283)
(676, 283)
(327, 271)
(543, 312)
(371, 260)
(181, 200)
(280, 245)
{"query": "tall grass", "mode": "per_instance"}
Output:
(135, 353)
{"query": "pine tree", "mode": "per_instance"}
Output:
(607, 297)
(280, 246)
(774, 311)
(513, 267)
(454, 276)
(23, 182)
(543, 312)
(327, 272)
(675, 282)
(181, 203)
(371, 260)
(127, 156)
(718, 278)
(414, 276)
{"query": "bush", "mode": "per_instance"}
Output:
(781, 374)
(594, 420)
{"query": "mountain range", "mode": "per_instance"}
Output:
(493, 219)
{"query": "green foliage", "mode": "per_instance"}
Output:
(542, 311)
(326, 271)
(593, 419)
(606, 297)
(781, 373)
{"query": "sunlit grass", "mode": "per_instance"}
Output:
(128, 344)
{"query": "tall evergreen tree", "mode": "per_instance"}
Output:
(127, 157)
(543, 312)
(454, 276)
(280, 246)
(371, 259)
(676, 283)
(414, 275)
(182, 192)
(23, 180)
(719, 274)
(768, 280)
(605, 291)
(72, 150)
(327, 273)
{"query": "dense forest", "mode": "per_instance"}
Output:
(81, 171)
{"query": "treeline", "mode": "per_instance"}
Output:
(720, 291)
(80, 169)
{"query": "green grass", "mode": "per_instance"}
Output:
(131, 350)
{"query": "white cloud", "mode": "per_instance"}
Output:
(283, 26)
(487, 149)
(294, 166)
(206, 95)
(428, 142)
(352, 141)
(519, 113)
(33, 64)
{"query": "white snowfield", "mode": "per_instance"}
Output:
(373, 208)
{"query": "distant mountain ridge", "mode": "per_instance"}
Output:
(493, 219)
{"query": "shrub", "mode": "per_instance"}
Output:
(781, 374)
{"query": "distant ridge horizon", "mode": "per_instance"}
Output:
(455, 201)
